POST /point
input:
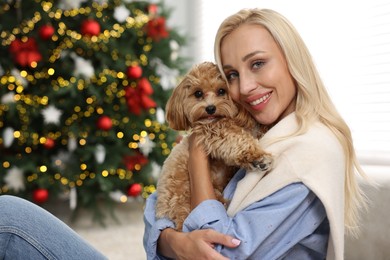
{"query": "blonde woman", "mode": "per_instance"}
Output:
(301, 208)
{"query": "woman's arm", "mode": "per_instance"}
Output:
(199, 170)
(198, 244)
(291, 219)
(287, 221)
(161, 240)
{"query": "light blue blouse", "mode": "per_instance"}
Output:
(289, 224)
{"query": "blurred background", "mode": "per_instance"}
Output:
(83, 87)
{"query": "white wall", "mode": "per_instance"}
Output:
(185, 16)
(349, 41)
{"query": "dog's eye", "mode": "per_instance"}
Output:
(221, 92)
(198, 94)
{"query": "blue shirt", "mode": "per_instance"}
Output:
(289, 224)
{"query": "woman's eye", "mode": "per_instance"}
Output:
(231, 76)
(221, 92)
(198, 94)
(258, 64)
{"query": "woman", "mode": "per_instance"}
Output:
(300, 209)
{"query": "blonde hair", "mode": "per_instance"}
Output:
(313, 102)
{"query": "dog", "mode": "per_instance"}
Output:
(201, 105)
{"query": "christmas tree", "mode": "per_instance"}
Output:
(83, 89)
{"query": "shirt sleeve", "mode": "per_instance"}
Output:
(153, 228)
(268, 229)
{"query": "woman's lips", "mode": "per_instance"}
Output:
(259, 102)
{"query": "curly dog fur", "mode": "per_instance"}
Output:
(201, 104)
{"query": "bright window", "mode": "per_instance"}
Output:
(350, 43)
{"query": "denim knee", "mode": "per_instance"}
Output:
(16, 244)
(31, 229)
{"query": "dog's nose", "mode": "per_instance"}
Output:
(211, 109)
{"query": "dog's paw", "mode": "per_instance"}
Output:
(264, 164)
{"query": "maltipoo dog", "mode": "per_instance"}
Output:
(201, 105)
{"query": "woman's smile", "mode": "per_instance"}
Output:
(260, 101)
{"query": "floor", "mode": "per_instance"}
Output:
(118, 240)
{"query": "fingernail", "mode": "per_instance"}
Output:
(236, 241)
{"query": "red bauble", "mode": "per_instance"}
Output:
(40, 195)
(46, 31)
(104, 123)
(152, 9)
(133, 101)
(139, 98)
(25, 52)
(49, 144)
(90, 27)
(147, 102)
(134, 72)
(133, 162)
(156, 29)
(26, 58)
(145, 87)
(134, 190)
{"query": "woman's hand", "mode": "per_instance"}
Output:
(198, 244)
(199, 170)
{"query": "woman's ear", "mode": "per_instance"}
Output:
(175, 113)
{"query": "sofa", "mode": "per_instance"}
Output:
(373, 242)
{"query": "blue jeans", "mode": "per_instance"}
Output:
(29, 232)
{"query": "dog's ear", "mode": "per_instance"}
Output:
(175, 114)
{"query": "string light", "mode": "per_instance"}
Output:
(48, 79)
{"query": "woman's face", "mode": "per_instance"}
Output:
(257, 73)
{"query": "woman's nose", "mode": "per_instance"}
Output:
(247, 84)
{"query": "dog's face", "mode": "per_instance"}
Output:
(201, 96)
